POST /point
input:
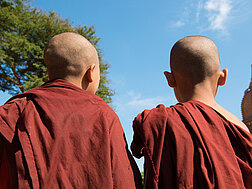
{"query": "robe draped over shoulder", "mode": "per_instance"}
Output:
(190, 145)
(60, 136)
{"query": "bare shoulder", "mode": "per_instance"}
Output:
(230, 117)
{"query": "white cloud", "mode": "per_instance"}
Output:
(179, 24)
(218, 13)
(183, 17)
(199, 8)
(129, 105)
(137, 101)
(206, 15)
(145, 102)
(132, 103)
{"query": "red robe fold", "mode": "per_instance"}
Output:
(60, 136)
(190, 145)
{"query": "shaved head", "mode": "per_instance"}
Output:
(68, 55)
(195, 58)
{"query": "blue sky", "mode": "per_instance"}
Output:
(136, 38)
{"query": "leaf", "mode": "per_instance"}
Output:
(24, 33)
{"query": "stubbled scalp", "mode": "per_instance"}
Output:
(195, 57)
(68, 54)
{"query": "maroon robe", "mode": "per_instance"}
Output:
(190, 145)
(60, 136)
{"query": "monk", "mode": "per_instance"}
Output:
(195, 143)
(61, 135)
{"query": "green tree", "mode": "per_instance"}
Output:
(24, 32)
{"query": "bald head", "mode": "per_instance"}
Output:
(68, 55)
(195, 58)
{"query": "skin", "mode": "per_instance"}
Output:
(71, 57)
(196, 75)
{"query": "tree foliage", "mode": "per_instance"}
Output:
(24, 33)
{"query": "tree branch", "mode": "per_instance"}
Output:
(8, 78)
(19, 84)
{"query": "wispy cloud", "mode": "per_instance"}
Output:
(199, 8)
(206, 15)
(218, 13)
(130, 104)
(138, 101)
(179, 24)
(133, 103)
(184, 17)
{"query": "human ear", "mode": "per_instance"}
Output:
(170, 79)
(223, 77)
(90, 73)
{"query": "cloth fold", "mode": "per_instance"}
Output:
(190, 145)
(64, 137)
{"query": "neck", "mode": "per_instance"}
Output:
(210, 101)
(74, 81)
(202, 93)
